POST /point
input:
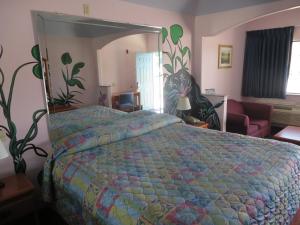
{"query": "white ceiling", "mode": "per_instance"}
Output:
(199, 7)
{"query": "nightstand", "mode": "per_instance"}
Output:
(17, 199)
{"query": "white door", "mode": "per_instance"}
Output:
(150, 81)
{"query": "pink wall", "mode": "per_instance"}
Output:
(229, 81)
(226, 81)
(118, 68)
(17, 38)
(215, 23)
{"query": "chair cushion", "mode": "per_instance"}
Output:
(252, 129)
(235, 107)
(126, 98)
(259, 123)
(126, 105)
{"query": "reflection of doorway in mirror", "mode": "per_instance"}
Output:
(150, 82)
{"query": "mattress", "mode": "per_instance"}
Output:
(146, 168)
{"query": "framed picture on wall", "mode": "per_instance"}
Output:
(225, 56)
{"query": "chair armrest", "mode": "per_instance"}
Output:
(239, 120)
(258, 110)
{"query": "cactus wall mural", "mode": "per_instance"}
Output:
(180, 82)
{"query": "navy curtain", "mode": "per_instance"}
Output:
(267, 62)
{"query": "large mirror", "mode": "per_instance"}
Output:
(94, 62)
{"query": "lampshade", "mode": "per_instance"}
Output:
(4, 153)
(183, 103)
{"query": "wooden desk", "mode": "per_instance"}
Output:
(137, 101)
(289, 134)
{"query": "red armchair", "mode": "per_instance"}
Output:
(253, 119)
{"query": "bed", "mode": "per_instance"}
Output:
(110, 167)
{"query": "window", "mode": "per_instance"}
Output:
(293, 86)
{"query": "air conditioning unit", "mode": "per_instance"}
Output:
(284, 114)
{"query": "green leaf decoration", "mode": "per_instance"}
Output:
(59, 101)
(164, 33)
(37, 71)
(77, 67)
(75, 82)
(66, 58)
(179, 60)
(35, 52)
(176, 32)
(64, 76)
(169, 55)
(1, 51)
(20, 165)
(184, 51)
(72, 79)
(79, 84)
(71, 82)
(63, 94)
(169, 68)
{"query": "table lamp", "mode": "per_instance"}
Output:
(183, 104)
(3, 152)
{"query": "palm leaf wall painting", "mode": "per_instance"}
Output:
(179, 56)
(72, 80)
(178, 80)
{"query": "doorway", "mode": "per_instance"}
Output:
(150, 80)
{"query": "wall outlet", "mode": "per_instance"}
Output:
(86, 9)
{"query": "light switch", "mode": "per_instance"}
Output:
(86, 9)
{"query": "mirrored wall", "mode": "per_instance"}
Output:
(93, 62)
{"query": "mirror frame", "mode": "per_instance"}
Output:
(39, 17)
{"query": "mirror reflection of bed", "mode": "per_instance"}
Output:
(93, 62)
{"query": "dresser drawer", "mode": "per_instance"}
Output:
(17, 208)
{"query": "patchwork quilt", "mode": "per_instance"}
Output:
(145, 168)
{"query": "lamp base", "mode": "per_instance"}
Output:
(2, 184)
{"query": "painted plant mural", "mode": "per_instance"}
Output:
(72, 79)
(179, 81)
(18, 146)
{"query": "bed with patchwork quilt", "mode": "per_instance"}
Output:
(118, 168)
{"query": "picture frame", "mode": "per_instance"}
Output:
(225, 56)
(210, 91)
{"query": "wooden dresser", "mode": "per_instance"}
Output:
(17, 199)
